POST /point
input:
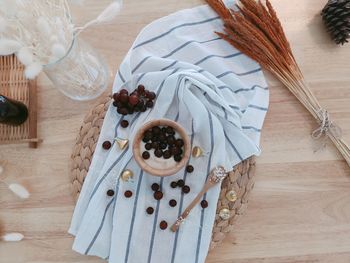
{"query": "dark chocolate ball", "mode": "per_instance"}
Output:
(146, 155)
(186, 189)
(155, 187)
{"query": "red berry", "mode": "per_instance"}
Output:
(150, 210)
(123, 111)
(128, 194)
(124, 123)
(134, 93)
(141, 89)
(133, 100)
(124, 91)
(124, 97)
(163, 225)
(149, 104)
(116, 96)
(107, 145)
(151, 95)
(204, 204)
(145, 155)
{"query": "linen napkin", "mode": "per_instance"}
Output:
(218, 95)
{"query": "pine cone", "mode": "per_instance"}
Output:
(336, 16)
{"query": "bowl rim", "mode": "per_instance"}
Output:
(144, 165)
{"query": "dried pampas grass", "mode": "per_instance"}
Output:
(255, 30)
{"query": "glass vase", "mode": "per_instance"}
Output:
(81, 74)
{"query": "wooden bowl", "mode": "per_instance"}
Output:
(153, 170)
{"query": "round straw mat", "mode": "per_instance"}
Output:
(237, 185)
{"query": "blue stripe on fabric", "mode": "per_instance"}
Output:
(257, 107)
(199, 240)
(250, 89)
(100, 227)
(174, 28)
(187, 43)
(234, 107)
(141, 77)
(167, 67)
(140, 64)
(133, 217)
(217, 56)
(238, 74)
(116, 127)
(154, 225)
(233, 147)
(226, 87)
(251, 128)
(181, 203)
(225, 112)
(121, 76)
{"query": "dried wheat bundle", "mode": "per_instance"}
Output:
(254, 29)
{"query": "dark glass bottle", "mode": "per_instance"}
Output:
(12, 112)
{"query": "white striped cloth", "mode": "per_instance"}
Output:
(218, 95)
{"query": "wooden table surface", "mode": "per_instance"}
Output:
(300, 208)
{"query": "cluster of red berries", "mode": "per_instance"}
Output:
(137, 101)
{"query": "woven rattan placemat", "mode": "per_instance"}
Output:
(235, 188)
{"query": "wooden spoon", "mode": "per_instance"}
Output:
(217, 175)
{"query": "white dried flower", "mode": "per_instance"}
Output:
(33, 70)
(9, 7)
(58, 50)
(43, 26)
(54, 39)
(25, 56)
(19, 190)
(8, 46)
(110, 12)
(107, 15)
(13, 237)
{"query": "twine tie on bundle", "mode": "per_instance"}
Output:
(327, 128)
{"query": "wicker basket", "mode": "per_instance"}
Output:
(235, 188)
(14, 85)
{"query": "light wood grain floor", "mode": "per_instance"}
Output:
(300, 208)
